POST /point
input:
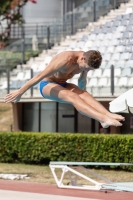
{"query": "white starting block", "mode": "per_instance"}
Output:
(67, 167)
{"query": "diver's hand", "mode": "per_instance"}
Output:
(13, 97)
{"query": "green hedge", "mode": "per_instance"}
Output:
(8, 60)
(40, 148)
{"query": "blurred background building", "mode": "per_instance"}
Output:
(60, 25)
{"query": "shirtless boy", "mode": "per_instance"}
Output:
(53, 85)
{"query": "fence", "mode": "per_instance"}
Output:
(77, 18)
(10, 81)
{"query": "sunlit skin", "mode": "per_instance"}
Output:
(61, 68)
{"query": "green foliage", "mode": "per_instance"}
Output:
(4, 6)
(9, 60)
(10, 12)
(40, 148)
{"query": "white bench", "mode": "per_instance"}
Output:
(67, 167)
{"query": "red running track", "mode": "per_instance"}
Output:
(54, 190)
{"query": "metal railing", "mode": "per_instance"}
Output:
(76, 19)
(14, 84)
(8, 78)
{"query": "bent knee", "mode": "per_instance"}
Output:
(72, 97)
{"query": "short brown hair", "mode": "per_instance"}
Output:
(94, 58)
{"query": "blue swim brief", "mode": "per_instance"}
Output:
(44, 83)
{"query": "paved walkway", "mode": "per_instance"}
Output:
(12, 195)
(18, 190)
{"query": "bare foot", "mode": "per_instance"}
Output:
(110, 122)
(116, 116)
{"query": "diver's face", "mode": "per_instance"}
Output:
(83, 66)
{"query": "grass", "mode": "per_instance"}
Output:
(6, 116)
(42, 174)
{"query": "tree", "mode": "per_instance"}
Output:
(10, 13)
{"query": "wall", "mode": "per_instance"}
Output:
(42, 11)
(58, 117)
(79, 2)
(49, 117)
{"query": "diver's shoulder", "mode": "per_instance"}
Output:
(65, 55)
